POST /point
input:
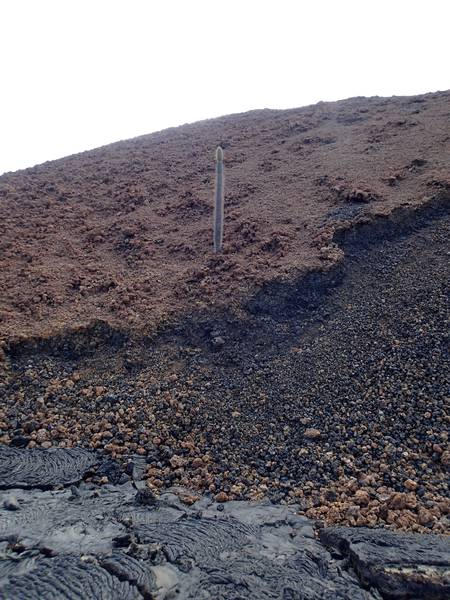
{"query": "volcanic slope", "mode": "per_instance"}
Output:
(122, 234)
(340, 403)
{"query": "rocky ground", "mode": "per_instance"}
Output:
(332, 395)
(118, 541)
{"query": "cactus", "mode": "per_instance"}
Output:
(218, 205)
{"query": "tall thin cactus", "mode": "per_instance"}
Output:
(218, 204)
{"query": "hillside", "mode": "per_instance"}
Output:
(308, 364)
(122, 234)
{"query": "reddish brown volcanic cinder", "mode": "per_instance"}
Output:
(123, 233)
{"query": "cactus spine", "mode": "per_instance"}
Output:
(218, 205)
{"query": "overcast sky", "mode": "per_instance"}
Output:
(76, 74)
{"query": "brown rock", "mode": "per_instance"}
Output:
(405, 520)
(397, 501)
(188, 499)
(445, 458)
(361, 521)
(383, 512)
(177, 461)
(46, 445)
(41, 435)
(411, 501)
(411, 485)
(371, 520)
(391, 517)
(362, 498)
(312, 434)
(351, 485)
(221, 497)
(352, 512)
(153, 472)
(444, 506)
(424, 517)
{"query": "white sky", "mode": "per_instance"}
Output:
(76, 74)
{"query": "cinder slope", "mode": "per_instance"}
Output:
(123, 233)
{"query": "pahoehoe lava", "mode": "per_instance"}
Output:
(102, 542)
(38, 468)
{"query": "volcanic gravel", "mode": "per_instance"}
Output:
(336, 400)
(123, 234)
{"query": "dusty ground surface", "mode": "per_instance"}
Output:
(123, 233)
(119, 541)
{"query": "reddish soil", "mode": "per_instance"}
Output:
(123, 233)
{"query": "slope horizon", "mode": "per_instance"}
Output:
(103, 145)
